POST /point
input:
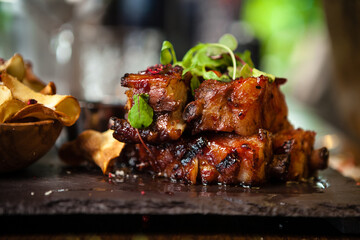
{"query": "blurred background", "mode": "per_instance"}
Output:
(86, 46)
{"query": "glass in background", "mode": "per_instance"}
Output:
(29, 28)
(69, 44)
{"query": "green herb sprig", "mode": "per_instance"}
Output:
(205, 60)
(141, 114)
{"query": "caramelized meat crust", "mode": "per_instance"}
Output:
(166, 88)
(242, 106)
(168, 93)
(295, 159)
(225, 158)
(237, 132)
(228, 158)
(165, 127)
(176, 160)
(233, 159)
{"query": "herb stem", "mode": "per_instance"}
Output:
(242, 61)
(231, 55)
(142, 141)
(173, 54)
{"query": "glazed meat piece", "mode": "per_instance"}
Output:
(294, 156)
(242, 106)
(177, 160)
(231, 159)
(168, 92)
(166, 88)
(238, 132)
(228, 158)
(165, 127)
(224, 158)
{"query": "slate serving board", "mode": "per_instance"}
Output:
(49, 187)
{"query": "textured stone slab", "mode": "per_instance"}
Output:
(49, 187)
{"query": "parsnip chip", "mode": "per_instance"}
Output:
(49, 89)
(9, 108)
(32, 81)
(67, 108)
(36, 110)
(18, 68)
(8, 105)
(99, 148)
(15, 67)
(5, 94)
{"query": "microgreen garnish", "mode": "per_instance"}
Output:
(194, 84)
(258, 73)
(205, 60)
(141, 114)
(167, 53)
(229, 41)
(199, 59)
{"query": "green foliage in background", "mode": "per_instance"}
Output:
(5, 16)
(279, 25)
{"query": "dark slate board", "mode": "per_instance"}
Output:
(50, 187)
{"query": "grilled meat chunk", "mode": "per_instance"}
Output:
(224, 158)
(229, 158)
(242, 106)
(319, 159)
(254, 141)
(176, 160)
(294, 156)
(166, 88)
(168, 93)
(165, 127)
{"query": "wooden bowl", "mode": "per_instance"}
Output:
(21, 144)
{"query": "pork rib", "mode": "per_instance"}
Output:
(228, 158)
(168, 93)
(293, 150)
(242, 106)
(224, 158)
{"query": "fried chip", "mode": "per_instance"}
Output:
(8, 105)
(18, 68)
(33, 82)
(67, 108)
(93, 146)
(15, 66)
(36, 110)
(49, 89)
(9, 108)
(5, 94)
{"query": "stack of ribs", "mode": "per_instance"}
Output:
(227, 133)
